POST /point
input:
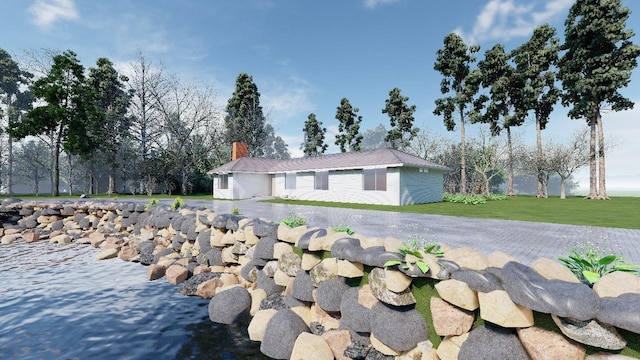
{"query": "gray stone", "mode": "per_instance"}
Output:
(220, 221)
(214, 256)
(162, 253)
(591, 332)
(354, 315)
(447, 267)
(177, 242)
(491, 342)
(400, 328)
(226, 306)
(292, 302)
(374, 354)
(357, 350)
(264, 248)
(329, 293)
(57, 225)
(302, 288)
(303, 242)
(378, 286)
(232, 222)
(263, 228)
(622, 311)
(316, 328)
(281, 334)
(289, 263)
(139, 208)
(190, 286)
(377, 256)
(188, 222)
(247, 270)
(528, 288)
(346, 249)
(239, 248)
(267, 284)
(205, 220)
(145, 254)
(192, 235)
(480, 281)
(204, 241)
(274, 301)
(320, 274)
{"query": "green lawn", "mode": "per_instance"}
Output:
(619, 212)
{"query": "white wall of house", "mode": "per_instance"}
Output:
(222, 193)
(243, 186)
(420, 187)
(344, 186)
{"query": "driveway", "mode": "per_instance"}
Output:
(524, 240)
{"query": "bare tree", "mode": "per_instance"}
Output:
(33, 163)
(567, 158)
(488, 158)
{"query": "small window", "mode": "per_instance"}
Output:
(374, 179)
(290, 181)
(223, 181)
(322, 180)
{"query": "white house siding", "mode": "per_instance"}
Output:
(248, 185)
(223, 193)
(344, 186)
(420, 187)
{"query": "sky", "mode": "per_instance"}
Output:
(305, 56)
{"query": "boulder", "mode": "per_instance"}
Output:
(128, 253)
(289, 234)
(350, 270)
(338, 340)
(366, 298)
(289, 263)
(498, 259)
(480, 281)
(329, 294)
(382, 348)
(226, 306)
(267, 283)
(107, 254)
(449, 348)
(396, 281)
(303, 241)
(354, 315)
(449, 320)
(327, 269)
(497, 308)
(155, 272)
(467, 258)
(542, 344)
(378, 286)
(176, 274)
(190, 286)
(281, 333)
(302, 288)
(553, 270)
(264, 248)
(615, 284)
(10, 239)
(258, 324)
(281, 248)
(207, 289)
(591, 332)
(528, 288)
(621, 311)
(492, 342)
(309, 260)
(307, 344)
(458, 293)
(400, 329)
(30, 237)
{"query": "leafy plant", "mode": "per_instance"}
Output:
(177, 203)
(413, 256)
(344, 229)
(151, 202)
(589, 266)
(472, 199)
(294, 221)
(235, 211)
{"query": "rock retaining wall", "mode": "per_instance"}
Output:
(317, 294)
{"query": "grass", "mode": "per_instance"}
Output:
(619, 212)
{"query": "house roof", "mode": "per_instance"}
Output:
(340, 161)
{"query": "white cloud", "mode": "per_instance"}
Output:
(373, 3)
(287, 100)
(47, 12)
(505, 19)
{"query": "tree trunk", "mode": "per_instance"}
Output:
(602, 192)
(55, 190)
(593, 176)
(184, 183)
(9, 165)
(463, 163)
(563, 181)
(540, 192)
(510, 191)
(112, 180)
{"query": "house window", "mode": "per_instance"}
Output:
(223, 181)
(290, 181)
(374, 179)
(322, 180)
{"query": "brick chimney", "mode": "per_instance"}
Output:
(238, 150)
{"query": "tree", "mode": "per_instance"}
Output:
(314, 134)
(68, 111)
(425, 146)
(487, 158)
(535, 61)
(598, 62)
(274, 146)
(245, 121)
(349, 137)
(460, 85)
(32, 164)
(374, 138)
(401, 118)
(12, 78)
(503, 100)
(567, 158)
(112, 102)
(148, 85)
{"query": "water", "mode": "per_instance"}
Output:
(57, 302)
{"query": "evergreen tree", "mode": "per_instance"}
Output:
(314, 133)
(349, 137)
(112, 102)
(68, 113)
(460, 84)
(401, 118)
(274, 146)
(245, 121)
(598, 62)
(535, 61)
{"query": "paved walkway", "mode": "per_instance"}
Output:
(524, 240)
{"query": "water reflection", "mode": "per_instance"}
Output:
(58, 303)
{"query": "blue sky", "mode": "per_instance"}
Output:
(305, 56)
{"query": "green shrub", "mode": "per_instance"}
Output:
(413, 256)
(472, 199)
(344, 229)
(589, 266)
(151, 202)
(294, 221)
(235, 211)
(177, 203)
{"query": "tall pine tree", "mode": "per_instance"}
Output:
(401, 118)
(245, 121)
(349, 138)
(314, 134)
